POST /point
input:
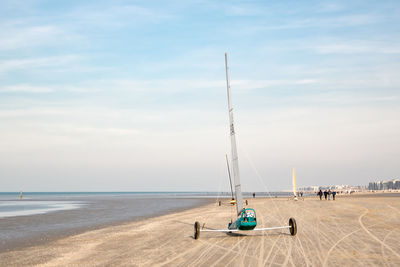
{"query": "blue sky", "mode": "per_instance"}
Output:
(130, 95)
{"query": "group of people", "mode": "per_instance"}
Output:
(327, 194)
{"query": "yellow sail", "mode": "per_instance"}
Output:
(294, 184)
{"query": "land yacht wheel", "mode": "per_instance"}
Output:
(293, 226)
(196, 230)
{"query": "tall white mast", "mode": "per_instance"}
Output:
(235, 165)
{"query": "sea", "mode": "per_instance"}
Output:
(44, 216)
(40, 217)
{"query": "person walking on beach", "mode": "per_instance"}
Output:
(329, 194)
(325, 194)
(320, 194)
(254, 195)
(333, 194)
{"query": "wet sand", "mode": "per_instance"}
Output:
(352, 230)
(98, 211)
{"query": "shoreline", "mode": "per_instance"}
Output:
(350, 230)
(65, 233)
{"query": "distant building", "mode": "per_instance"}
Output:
(385, 185)
(309, 188)
(338, 188)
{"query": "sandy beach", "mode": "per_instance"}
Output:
(354, 230)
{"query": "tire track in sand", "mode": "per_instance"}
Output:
(373, 236)
(229, 250)
(206, 252)
(337, 243)
(270, 251)
(383, 250)
(289, 255)
(198, 243)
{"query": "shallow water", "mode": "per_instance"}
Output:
(24, 208)
(40, 217)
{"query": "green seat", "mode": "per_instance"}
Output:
(247, 220)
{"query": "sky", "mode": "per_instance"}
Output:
(131, 95)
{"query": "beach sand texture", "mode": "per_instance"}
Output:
(354, 230)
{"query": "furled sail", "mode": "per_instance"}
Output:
(235, 164)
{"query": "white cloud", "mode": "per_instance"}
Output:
(33, 63)
(276, 139)
(26, 88)
(329, 7)
(82, 130)
(15, 37)
(116, 16)
(356, 47)
(257, 84)
(351, 47)
(14, 113)
(243, 9)
(316, 22)
(150, 86)
(185, 85)
(311, 109)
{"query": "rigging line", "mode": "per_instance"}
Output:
(221, 180)
(219, 191)
(261, 181)
(229, 173)
(230, 183)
